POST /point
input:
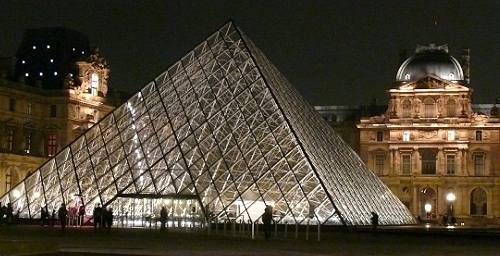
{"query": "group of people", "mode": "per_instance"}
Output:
(103, 218)
(7, 212)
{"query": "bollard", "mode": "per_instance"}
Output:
(233, 227)
(319, 233)
(225, 224)
(286, 229)
(253, 229)
(296, 230)
(307, 230)
(275, 229)
(216, 225)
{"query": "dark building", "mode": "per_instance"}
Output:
(47, 57)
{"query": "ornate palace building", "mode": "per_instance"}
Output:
(438, 155)
(53, 90)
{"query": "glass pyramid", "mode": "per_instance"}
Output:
(225, 130)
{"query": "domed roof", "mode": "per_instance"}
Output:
(430, 60)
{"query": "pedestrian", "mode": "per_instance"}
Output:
(267, 217)
(97, 217)
(52, 217)
(163, 218)
(374, 222)
(108, 218)
(43, 216)
(3, 209)
(10, 214)
(61, 213)
(445, 220)
(81, 214)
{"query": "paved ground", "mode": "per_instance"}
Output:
(389, 241)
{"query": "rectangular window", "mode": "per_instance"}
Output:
(451, 135)
(406, 164)
(28, 143)
(478, 164)
(53, 110)
(10, 139)
(479, 135)
(52, 145)
(450, 164)
(29, 110)
(380, 136)
(406, 135)
(12, 104)
(379, 164)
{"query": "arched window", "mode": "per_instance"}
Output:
(429, 161)
(406, 109)
(429, 108)
(451, 108)
(478, 202)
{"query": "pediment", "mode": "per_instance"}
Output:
(432, 82)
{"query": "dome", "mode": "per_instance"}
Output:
(430, 60)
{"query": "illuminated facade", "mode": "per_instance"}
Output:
(45, 99)
(221, 133)
(430, 147)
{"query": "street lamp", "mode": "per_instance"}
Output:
(451, 198)
(428, 209)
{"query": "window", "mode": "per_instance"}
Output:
(406, 135)
(28, 142)
(450, 164)
(406, 109)
(479, 135)
(8, 181)
(429, 162)
(52, 145)
(94, 84)
(12, 104)
(379, 164)
(451, 135)
(10, 139)
(53, 110)
(380, 136)
(29, 110)
(451, 76)
(430, 108)
(406, 164)
(478, 164)
(451, 108)
(407, 77)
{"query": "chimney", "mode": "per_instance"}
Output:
(466, 64)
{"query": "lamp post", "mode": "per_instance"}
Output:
(428, 209)
(450, 198)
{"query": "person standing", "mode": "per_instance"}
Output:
(374, 222)
(97, 216)
(61, 213)
(108, 219)
(163, 218)
(267, 217)
(81, 214)
(10, 214)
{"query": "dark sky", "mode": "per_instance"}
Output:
(334, 52)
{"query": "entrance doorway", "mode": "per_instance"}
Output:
(136, 211)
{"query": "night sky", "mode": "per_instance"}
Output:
(333, 52)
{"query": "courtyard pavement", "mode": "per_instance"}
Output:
(415, 240)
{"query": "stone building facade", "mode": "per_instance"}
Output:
(436, 153)
(38, 119)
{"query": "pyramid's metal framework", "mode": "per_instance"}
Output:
(224, 128)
